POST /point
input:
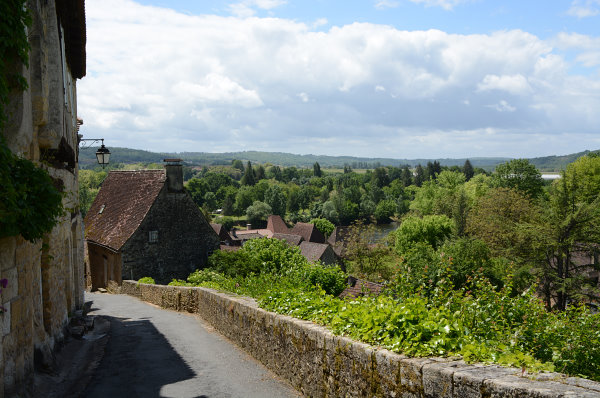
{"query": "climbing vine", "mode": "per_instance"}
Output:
(14, 49)
(31, 204)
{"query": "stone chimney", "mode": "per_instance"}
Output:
(174, 175)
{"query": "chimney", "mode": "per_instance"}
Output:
(174, 175)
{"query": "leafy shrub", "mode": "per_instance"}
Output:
(226, 222)
(432, 230)
(31, 204)
(325, 226)
(331, 279)
(147, 279)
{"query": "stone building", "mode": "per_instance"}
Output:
(144, 223)
(322, 252)
(45, 277)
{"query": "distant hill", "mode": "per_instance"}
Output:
(87, 159)
(556, 163)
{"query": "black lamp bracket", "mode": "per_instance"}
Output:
(90, 142)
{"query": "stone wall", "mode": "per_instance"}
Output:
(319, 364)
(45, 278)
(185, 240)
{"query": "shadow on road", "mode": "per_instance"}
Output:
(138, 362)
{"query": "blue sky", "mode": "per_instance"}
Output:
(390, 78)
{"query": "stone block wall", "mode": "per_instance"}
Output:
(320, 364)
(45, 278)
(185, 240)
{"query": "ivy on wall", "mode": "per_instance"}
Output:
(30, 204)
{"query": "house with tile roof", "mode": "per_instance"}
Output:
(360, 287)
(290, 239)
(276, 225)
(308, 232)
(144, 223)
(322, 252)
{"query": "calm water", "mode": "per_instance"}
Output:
(382, 230)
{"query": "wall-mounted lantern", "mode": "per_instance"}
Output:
(102, 154)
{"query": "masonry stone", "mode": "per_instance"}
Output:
(44, 277)
(320, 364)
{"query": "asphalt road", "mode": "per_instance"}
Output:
(161, 353)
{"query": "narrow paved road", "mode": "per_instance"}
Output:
(161, 353)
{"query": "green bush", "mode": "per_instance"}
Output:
(147, 279)
(329, 278)
(325, 226)
(432, 230)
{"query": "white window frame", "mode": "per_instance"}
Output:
(152, 236)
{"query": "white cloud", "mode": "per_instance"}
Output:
(584, 8)
(445, 4)
(159, 80)
(515, 84)
(503, 106)
(303, 97)
(246, 8)
(385, 4)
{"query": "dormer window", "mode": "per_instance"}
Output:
(153, 236)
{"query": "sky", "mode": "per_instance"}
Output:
(375, 78)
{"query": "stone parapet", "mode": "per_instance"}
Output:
(320, 364)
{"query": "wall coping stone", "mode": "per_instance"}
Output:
(319, 363)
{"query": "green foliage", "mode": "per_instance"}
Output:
(385, 210)
(329, 278)
(30, 205)
(89, 186)
(521, 175)
(276, 199)
(367, 259)
(14, 49)
(432, 230)
(249, 177)
(325, 226)
(259, 211)
(147, 279)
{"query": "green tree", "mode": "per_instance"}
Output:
(521, 175)
(317, 170)
(243, 199)
(197, 188)
(237, 164)
(248, 178)
(325, 226)
(407, 177)
(260, 173)
(89, 186)
(574, 217)
(468, 170)
(276, 199)
(419, 175)
(385, 210)
(210, 201)
(431, 230)
(259, 211)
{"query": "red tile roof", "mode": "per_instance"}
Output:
(122, 203)
(360, 287)
(276, 225)
(292, 240)
(309, 232)
(226, 248)
(313, 251)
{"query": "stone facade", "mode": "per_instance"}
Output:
(184, 242)
(320, 364)
(45, 278)
(144, 223)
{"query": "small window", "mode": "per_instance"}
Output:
(153, 236)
